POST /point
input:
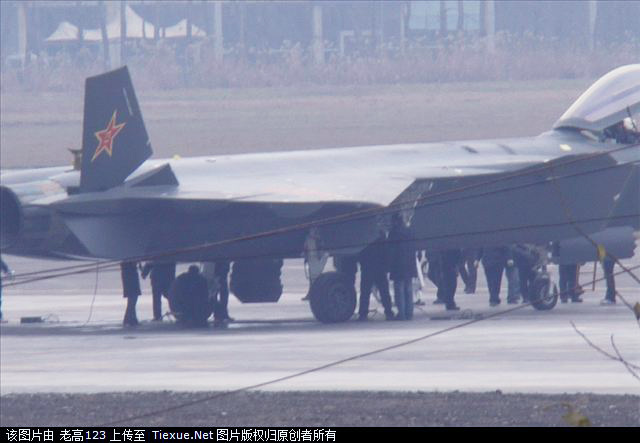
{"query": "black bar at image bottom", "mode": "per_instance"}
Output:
(247, 434)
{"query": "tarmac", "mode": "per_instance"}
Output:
(81, 347)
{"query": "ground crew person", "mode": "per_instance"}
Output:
(610, 297)
(315, 258)
(494, 261)
(434, 273)
(221, 309)
(162, 275)
(568, 283)
(468, 269)
(373, 271)
(347, 265)
(514, 292)
(4, 270)
(526, 259)
(450, 259)
(402, 266)
(130, 291)
(189, 298)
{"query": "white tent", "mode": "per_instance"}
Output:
(134, 27)
(180, 30)
(66, 31)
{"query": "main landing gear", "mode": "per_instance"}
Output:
(332, 298)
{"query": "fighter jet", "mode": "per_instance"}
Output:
(577, 185)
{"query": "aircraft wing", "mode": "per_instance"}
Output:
(201, 210)
(307, 177)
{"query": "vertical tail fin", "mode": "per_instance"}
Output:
(114, 139)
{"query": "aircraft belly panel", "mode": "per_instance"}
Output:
(189, 230)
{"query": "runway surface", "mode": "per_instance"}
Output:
(82, 348)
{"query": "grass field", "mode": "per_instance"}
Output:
(36, 129)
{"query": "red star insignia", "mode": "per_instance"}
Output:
(106, 136)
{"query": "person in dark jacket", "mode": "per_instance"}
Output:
(434, 273)
(569, 283)
(130, 291)
(162, 275)
(514, 294)
(494, 261)
(221, 313)
(450, 260)
(315, 258)
(373, 271)
(468, 270)
(526, 258)
(189, 298)
(347, 265)
(610, 298)
(402, 266)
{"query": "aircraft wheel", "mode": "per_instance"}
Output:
(544, 294)
(332, 298)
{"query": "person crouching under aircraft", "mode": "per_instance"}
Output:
(189, 298)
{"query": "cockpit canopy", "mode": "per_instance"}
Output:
(609, 100)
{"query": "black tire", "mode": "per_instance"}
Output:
(332, 298)
(544, 293)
